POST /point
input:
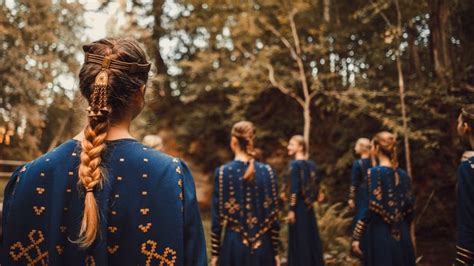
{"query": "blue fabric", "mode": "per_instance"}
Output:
(305, 247)
(148, 210)
(359, 182)
(247, 213)
(387, 220)
(465, 213)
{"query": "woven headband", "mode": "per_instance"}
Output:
(107, 63)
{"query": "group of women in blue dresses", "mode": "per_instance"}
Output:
(246, 206)
(103, 198)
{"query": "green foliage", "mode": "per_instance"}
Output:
(334, 222)
(39, 40)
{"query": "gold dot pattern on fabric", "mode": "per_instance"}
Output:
(32, 252)
(149, 249)
(40, 190)
(122, 160)
(144, 175)
(119, 178)
(112, 229)
(145, 160)
(112, 249)
(59, 249)
(144, 193)
(145, 228)
(63, 229)
(74, 154)
(42, 174)
(39, 209)
(68, 190)
(71, 173)
(144, 211)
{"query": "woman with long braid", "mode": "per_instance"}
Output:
(245, 207)
(103, 198)
(386, 223)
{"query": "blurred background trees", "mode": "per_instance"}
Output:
(332, 70)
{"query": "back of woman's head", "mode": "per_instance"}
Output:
(244, 132)
(112, 79)
(386, 143)
(466, 121)
(362, 145)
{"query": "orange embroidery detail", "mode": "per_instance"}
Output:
(112, 229)
(119, 178)
(149, 249)
(18, 251)
(144, 228)
(71, 173)
(90, 261)
(178, 170)
(59, 249)
(180, 183)
(40, 190)
(181, 196)
(39, 210)
(68, 190)
(114, 213)
(113, 249)
(144, 193)
(144, 211)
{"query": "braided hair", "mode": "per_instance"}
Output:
(244, 131)
(109, 83)
(386, 143)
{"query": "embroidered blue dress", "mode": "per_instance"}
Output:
(305, 247)
(148, 210)
(465, 213)
(358, 190)
(246, 212)
(386, 222)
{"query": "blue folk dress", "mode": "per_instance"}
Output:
(358, 192)
(386, 223)
(305, 247)
(246, 213)
(148, 210)
(465, 213)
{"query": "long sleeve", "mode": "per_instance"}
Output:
(194, 242)
(294, 184)
(365, 213)
(216, 227)
(355, 179)
(465, 216)
(9, 189)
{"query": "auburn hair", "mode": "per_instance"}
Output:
(118, 96)
(386, 143)
(244, 132)
(467, 116)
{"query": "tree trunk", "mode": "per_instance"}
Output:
(158, 32)
(439, 26)
(307, 124)
(413, 50)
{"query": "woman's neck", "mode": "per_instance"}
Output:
(242, 156)
(116, 131)
(385, 161)
(364, 155)
(300, 156)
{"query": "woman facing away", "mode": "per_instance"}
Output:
(103, 198)
(358, 195)
(465, 192)
(386, 223)
(304, 246)
(245, 207)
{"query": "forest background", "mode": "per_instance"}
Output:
(331, 70)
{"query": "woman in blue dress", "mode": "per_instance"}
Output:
(244, 207)
(465, 192)
(304, 246)
(358, 195)
(386, 223)
(103, 198)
